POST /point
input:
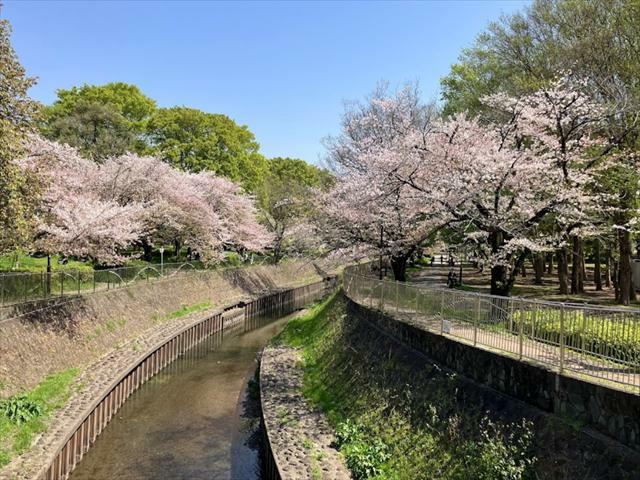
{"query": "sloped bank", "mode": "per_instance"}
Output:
(76, 331)
(399, 415)
(105, 384)
(299, 441)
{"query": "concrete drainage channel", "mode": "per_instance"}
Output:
(75, 445)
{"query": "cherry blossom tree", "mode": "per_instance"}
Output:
(495, 181)
(202, 211)
(96, 211)
(372, 204)
(72, 218)
(564, 121)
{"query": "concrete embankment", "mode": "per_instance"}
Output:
(120, 339)
(399, 414)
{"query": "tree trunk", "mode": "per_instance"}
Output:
(148, 251)
(538, 267)
(523, 270)
(625, 281)
(608, 267)
(176, 249)
(499, 284)
(616, 280)
(563, 271)
(577, 281)
(550, 265)
(48, 283)
(597, 273)
(399, 267)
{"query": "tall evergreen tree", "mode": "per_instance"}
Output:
(18, 114)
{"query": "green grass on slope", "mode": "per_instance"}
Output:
(382, 432)
(399, 417)
(26, 414)
(183, 311)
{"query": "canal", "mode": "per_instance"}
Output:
(194, 420)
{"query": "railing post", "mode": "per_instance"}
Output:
(562, 339)
(476, 321)
(381, 295)
(442, 313)
(521, 331)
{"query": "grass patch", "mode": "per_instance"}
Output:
(19, 262)
(33, 410)
(183, 311)
(110, 326)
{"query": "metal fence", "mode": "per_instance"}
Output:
(591, 341)
(20, 287)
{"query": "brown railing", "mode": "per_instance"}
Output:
(77, 443)
(595, 343)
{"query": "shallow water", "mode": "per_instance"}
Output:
(191, 421)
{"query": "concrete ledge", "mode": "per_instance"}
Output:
(612, 412)
(299, 439)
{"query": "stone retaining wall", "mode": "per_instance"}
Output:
(612, 412)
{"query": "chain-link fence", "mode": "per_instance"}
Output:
(20, 287)
(591, 341)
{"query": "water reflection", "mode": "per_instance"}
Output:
(191, 421)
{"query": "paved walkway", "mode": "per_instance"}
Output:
(587, 368)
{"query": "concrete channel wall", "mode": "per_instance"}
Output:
(78, 438)
(612, 412)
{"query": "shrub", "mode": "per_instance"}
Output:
(365, 454)
(20, 409)
(612, 338)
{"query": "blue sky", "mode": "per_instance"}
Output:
(284, 69)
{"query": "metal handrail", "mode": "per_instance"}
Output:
(18, 288)
(591, 340)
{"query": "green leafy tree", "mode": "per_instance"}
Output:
(100, 120)
(18, 113)
(286, 199)
(197, 141)
(97, 130)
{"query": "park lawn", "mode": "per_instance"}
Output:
(27, 263)
(48, 396)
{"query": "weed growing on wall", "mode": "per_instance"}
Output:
(24, 415)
